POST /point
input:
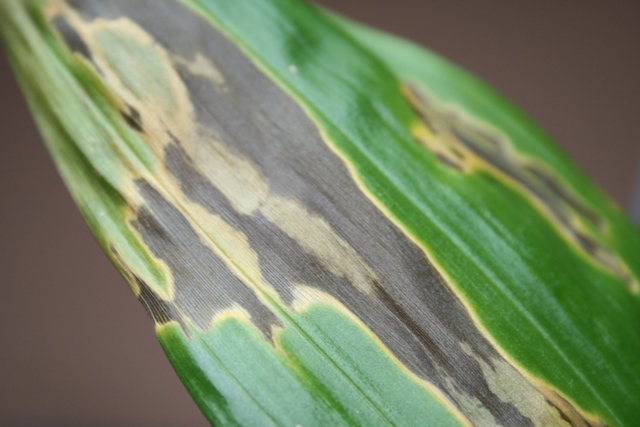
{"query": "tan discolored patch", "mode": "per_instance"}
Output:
(231, 243)
(138, 71)
(465, 145)
(511, 386)
(474, 408)
(318, 238)
(568, 410)
(203, 67)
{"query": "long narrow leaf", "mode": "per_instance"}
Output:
(331, 226)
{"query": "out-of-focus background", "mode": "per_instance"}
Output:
(76, 348)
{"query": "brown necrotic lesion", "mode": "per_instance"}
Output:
(133, 118)
(465, 145)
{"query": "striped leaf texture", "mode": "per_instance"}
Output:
(331, 226)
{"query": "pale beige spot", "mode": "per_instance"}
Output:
(204, 67)
(470, 405)
(235, 176)
(230, 243)
(316, 236)
(511, 387)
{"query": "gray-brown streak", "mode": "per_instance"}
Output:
(413, 310)
(548, 189)
(203, 283)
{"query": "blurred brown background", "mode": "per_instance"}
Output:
(76, 349)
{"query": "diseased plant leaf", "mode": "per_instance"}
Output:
(331, 226)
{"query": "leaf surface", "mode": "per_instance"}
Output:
(330, 226)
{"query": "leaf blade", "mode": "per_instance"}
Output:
(176, 211)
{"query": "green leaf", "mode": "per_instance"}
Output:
(331, 226)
